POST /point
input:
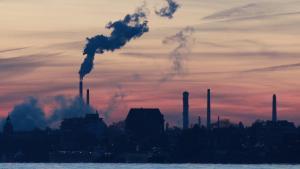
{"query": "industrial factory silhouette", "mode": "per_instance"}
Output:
(145, 136)
(166, 81)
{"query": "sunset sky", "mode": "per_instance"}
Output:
(244, 50)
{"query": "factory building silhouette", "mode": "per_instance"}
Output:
(90, 124)
(145, 122)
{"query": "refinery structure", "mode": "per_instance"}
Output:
(185, 108)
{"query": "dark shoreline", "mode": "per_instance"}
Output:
(88, 139)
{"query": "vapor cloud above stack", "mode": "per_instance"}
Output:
(169, 10)
(131, 27)
(184, 40)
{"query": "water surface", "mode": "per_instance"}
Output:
(140, 166)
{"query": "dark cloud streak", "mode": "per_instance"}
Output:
(12, 49)
(18, 66)
(244, 54)
(249, 12)
(274, 68)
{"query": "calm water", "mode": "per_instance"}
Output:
(143, 166)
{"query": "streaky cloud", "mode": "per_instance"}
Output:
(71, 45)
(12, 49)
(237, 54)
(274, 68)
(12, 67)
(249, 12)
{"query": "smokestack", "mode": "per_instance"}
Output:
(88, 97)
(167, 126)
(208, 110)
(274, 109)
(185, 113)
(81, 89)
(199, 121)
(218, 122)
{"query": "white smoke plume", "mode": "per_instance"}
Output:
(178, 56)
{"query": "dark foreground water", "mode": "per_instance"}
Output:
(142, 166)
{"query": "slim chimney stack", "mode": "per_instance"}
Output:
(185, 113)
(208, 110)
(274, 109)
(218, 122)
(88, 97)
(199, 121)
(81, 89)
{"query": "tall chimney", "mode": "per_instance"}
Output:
(199, 121)
(81, 89)
(274, 109)
(167, 126)
(88, 97)
(218, 122)
(208, 110)
(185, 113)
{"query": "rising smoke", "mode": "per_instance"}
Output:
(115, 102)
(66, 107)
(131, 27)
(28, 115)
(169, 10)
(184, 40)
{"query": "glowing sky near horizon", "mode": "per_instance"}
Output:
(243, 50)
